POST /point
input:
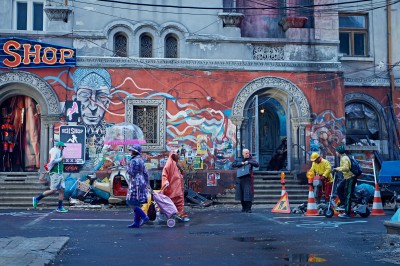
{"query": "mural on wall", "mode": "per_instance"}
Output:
(326, 133)
(206, 134)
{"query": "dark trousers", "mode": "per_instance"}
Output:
(350, 186)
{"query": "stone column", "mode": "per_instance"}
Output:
(237, 121)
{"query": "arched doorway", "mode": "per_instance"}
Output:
(35, 107)
(289, 114)
(20, 132)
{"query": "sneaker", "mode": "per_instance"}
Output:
(186, 219)
(61, 210)
(34, 202)
(344, 215)
(340, 208)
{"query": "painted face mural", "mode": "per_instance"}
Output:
(92, 88)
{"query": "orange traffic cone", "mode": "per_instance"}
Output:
(377, 207)
(311, 205)
(283, 183)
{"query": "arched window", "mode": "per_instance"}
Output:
(171, 47)
(362, 121)
(120, 45)
(146, 46)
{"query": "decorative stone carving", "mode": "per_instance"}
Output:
(271, 53)
(360, 82)
(35, 82)
(237, 121)
(88, 61)
(272, 82)
(231, 19)
(292, 22)
(57, 13)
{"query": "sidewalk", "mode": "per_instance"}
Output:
(21, 251)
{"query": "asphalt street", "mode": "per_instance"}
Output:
(216, 235)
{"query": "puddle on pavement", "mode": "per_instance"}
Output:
(254, 239)
(303, 259)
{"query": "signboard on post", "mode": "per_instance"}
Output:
(74, 138)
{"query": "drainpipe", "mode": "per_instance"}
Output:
(389, 49)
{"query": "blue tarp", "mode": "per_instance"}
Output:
(390, 173)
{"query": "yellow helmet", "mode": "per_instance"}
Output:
(314, 156)
(310, 175)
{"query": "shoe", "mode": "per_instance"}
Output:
(249, 211)
(344, 215)
(134, 225)
(61, 210)
(340, 208)
(144, 221)
(185, 219)
(34, 202)
(183, 215)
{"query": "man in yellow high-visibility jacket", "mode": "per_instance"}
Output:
(323, 168)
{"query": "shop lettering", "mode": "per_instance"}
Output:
(50, 55)
(72, 130)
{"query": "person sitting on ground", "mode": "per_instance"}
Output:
(278, 160)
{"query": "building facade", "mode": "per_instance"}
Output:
(210, 78)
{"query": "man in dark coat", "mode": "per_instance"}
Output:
(245, 184)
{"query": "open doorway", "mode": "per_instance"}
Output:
(20, 132)
(266, 130)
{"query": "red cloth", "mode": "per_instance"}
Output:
(328, 189)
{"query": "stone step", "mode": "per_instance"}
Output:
(268, 189)
(17, 190)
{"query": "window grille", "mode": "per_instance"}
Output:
(120, 45)
(171, 47)
(146, 46)
(150, 116)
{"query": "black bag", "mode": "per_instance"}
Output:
(243, 171)
(151, 212)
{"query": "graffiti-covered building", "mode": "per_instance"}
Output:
(208, 77)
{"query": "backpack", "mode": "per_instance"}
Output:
(355, 167)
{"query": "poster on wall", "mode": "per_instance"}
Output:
(74, 138)
(202, 147)
(72, 111)
(197, 162)
(211, 179)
